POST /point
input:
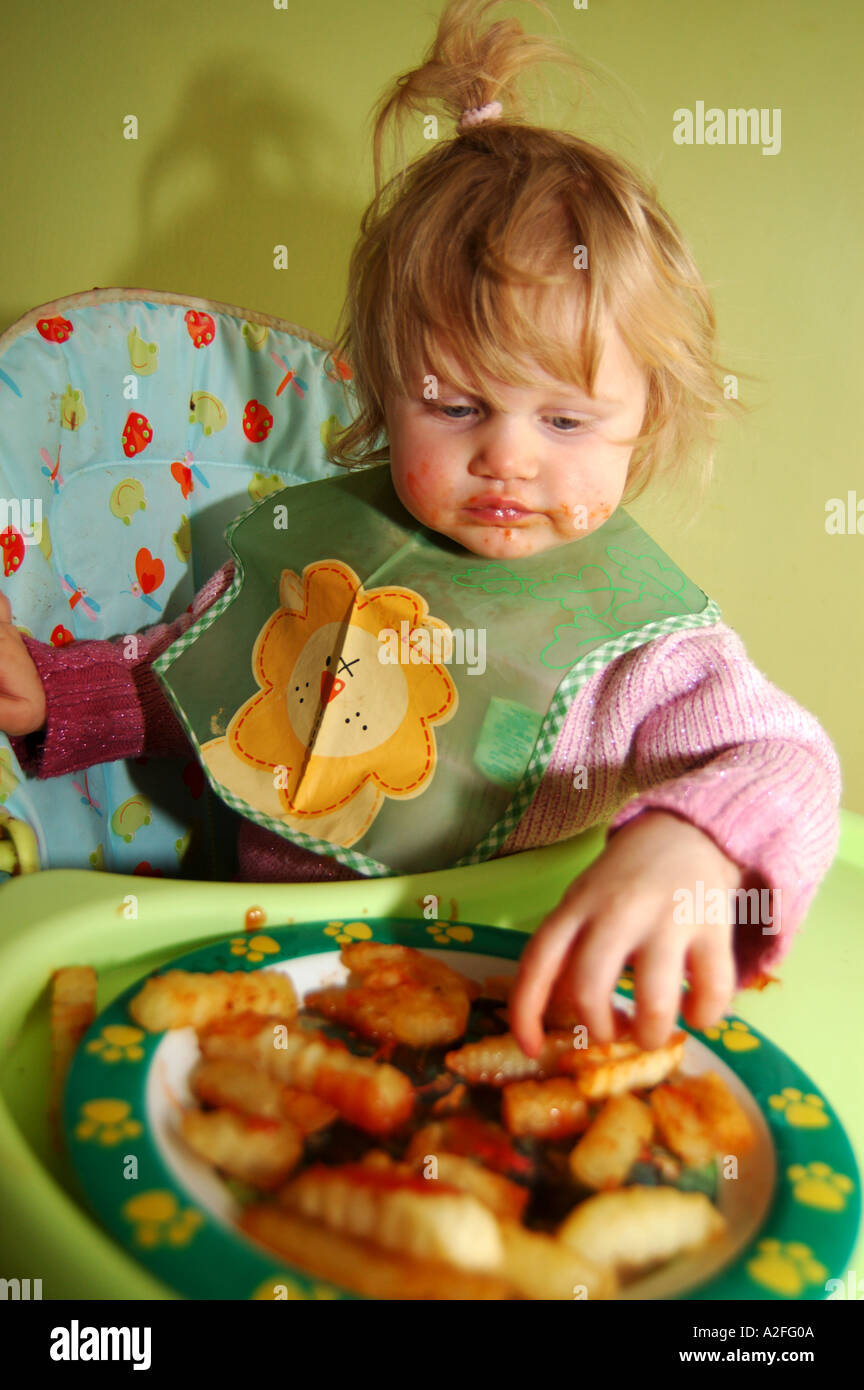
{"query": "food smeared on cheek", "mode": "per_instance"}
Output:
(583, 518)
(428, 490)
(414, 485)
(420, 481)
(597, 515)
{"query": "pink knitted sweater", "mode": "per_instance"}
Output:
(684, 724)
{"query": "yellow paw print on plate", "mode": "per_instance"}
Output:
(444, 933)
(283, 1287)
(106, 1122)
(159, 1220)
(735, 1036)
(804, 1112)
(118, 1042)
(346, 932)
(785, 1267)
(254, 948)
(817, 1185)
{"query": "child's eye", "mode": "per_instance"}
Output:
(564, 424)
(570, 425)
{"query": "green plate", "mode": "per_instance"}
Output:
(792, 1209)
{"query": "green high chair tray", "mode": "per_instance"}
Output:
(805, 1247)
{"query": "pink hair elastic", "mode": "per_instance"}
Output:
(476, 115)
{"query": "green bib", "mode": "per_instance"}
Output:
(372, 691)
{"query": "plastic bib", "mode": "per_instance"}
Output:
(372, 691)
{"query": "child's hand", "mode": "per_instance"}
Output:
(22, 697)
(623, 905)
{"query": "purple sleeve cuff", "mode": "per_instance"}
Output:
(103, 701)
(92, 709)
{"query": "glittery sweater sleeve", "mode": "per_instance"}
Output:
(688, 725)
(103, 699)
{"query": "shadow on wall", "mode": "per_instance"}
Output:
(240, 170)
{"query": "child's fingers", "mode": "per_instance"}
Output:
(712, 980)
(5, 609)
(657, 976)
(538, 970)
(591, 972)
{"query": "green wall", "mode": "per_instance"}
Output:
(253, 131)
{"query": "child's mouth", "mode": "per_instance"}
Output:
(498, 511)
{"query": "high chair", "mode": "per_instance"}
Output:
(136, 424)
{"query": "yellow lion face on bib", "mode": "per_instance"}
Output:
(334, 722)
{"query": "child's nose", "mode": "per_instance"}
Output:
(503, 451)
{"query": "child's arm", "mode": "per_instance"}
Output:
(736, 787)
(99, 703)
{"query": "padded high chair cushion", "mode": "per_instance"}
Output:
(139, 423)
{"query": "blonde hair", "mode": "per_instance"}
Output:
(464, 266)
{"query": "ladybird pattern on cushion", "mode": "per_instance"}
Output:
(137, 425)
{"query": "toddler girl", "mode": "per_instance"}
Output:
(526, 325)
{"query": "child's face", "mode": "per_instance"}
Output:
(539, 473)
